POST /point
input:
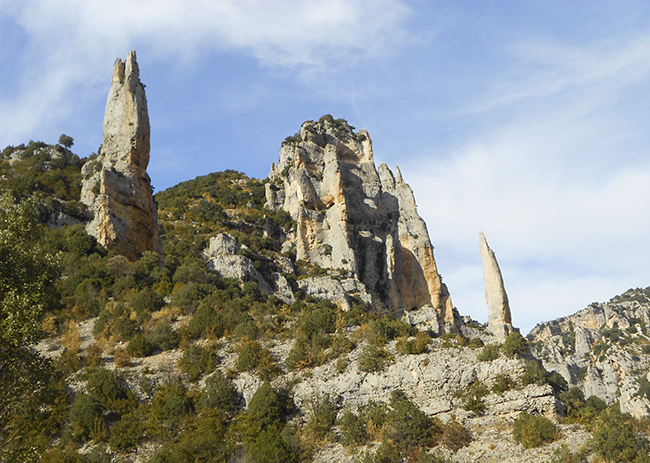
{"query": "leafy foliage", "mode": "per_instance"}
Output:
(533, 431)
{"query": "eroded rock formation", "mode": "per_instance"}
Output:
(353, 217)
(116, 186)
(499, 317)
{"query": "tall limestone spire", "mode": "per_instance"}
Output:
(115, 185)
(499, 318)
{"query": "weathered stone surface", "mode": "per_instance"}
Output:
(424, 319)
(614, 371)
(499, 318)
(354, 217)
(223, 260)
(115, 185)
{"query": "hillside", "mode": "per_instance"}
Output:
(295, 318)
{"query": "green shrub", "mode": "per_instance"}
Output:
(503, 382)
(163, 336)
(533, 431)
(198, 361)
(86, 415)
(269, 447)
(170, 404)
(105, 386)
(408, 426)
(490, 352)
(353, 430)
(614, 438)
(418, 345)
(574, 400)
(219, 393)
(475, 343)
(473, 398)
(534, 373)
(140, 346)
(323, 417)
(203, 440)
(127, 433)
(515, 345)
(267, 407)
(147, 301)
(373, 359)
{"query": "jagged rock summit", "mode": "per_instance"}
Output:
(499, 317)
(356, 218)
(115, 185)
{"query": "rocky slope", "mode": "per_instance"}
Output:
(603, 349)
(116, 186)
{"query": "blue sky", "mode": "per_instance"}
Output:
(526, 120)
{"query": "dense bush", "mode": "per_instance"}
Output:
(408, 426)
(614, 438)
(533, 431)
(86, 416)
(502, 383)
(374, 358)
(323, 417)
(219, 393)
(417, 345)
(490, 352)
(473, 398)
(514, 345)
(170, 404)
(140, 346)
(198, 360)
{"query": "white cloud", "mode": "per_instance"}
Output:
(70, 45)
(563, 208)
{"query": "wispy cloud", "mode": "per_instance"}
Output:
(70, 45)
(560, 184)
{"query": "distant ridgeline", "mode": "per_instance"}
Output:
(232, 318)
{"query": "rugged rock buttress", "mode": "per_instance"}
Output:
(116, 186)
(353, 217)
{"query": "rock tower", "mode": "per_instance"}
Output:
(499, 318)
(115, 185)
(353, 217)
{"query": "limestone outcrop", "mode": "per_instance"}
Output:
(223, 258)
(602, 349)
(115, 185)
(499, 317)
(357, 218)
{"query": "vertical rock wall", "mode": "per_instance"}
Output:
(352, 217)
(115, 185)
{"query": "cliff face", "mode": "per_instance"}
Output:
(353, 217)
(116, 186)
(603, 349)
